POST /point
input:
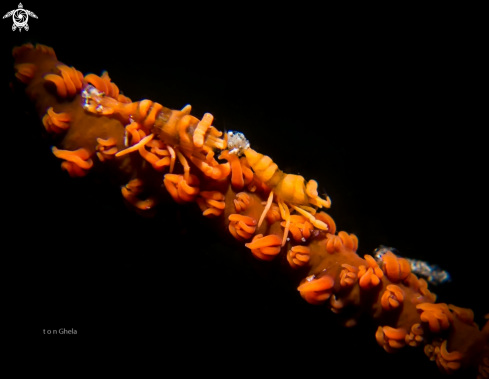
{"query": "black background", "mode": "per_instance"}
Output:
(387, 116)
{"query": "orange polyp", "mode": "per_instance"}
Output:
(242, 201)
(59, 119)
(110, 151)
(106, 142)
(269, 251)
(412, 282)
(59, 83)
(26, 69)
(150, 157)
(453, 356)
(182, 190)
(68, 83)
(159, 148)
(307, 229)
(246, 228)
(212, 212)
(239, 206)
(265, 248)
(273, 213)
(247, 173)
(76, 76)
(269, 240)
(113, 90)
(135, 185)
(73, 170)
(391, 266)
(187, 189)
(214, 172)
(328, 220)
(173, 178)
(422, 286)
(294, 230)
(236, 223)
(320, 284)
(213, 195)
(298, 256)
(333, 243)
(45, 49)
(247, 220)
(464, 314)
(25, 72)
(390, 339)
(396, 269)
(56, 122)
(184, 195)
(348, 275)
(393, 296)
(106, 149)
(366, 279)
(172, 190)
(317, 291)
(417, 329)
(237, 179)
(336, 304)
(354, 238)
(429, 349)
(438, 316)
(446, 362)
(80, 157)
(158, 158)
(18, 50)
(370, 277)
(211, 203)
(133, 200)
(163, 162)
(415, 337)
(70, 86)
(300, 227)
(132, 128)
(159, 163)
(243, 234)
(347, 241)
(337, 244)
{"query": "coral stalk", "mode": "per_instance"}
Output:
(160, 155)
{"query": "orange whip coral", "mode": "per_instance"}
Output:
(159, 156)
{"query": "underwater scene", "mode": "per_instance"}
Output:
(389, 129)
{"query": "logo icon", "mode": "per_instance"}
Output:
(20, 17)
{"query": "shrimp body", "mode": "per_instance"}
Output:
(289, 187)
(173, 127)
